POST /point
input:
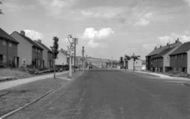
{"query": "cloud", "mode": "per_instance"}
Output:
(187, 1)
(185, 37)
(33, 34)
(92, 33)
(93, 44)
(144, 19)
(56, 7)
(15, 6)
(149, 46)
(94, 37)
(102, 12)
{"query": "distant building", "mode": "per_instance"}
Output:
(8, 50)
(47, 55)
(180, 59)
(62, 58)
(135, 65)
(97, 62)
(29, 52)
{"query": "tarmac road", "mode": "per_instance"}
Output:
(113, 95)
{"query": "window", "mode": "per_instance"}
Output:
(10, 44)
(1, 59)
(4, 42)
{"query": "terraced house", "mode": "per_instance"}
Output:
(159, 59)
(8, 50)
(30, 53)
(47, 55)
(180, 59)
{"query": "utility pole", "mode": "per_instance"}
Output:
(70, 54)
(83, 58)
(75, 40)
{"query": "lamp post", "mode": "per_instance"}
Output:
(70, 48)
(83, 58)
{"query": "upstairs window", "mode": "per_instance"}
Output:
(10, 44)
(4, 43)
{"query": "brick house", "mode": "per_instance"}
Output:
(135, 65)
(150, 62)
(159, 60)
(180, 59)
(8, 50)
(47, 55)
(29, 52)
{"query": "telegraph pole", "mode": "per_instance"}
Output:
(83, 58)
(75, 43)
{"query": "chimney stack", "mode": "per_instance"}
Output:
(22, 33)
(39, 41)
(177, 41)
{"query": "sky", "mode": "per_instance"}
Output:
(107, 28)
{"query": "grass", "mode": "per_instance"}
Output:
(16, 73)
(11, 99)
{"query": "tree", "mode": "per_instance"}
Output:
(121, 62)
(55, 51)
(126, 59)
(134, 57)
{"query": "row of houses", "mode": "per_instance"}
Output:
(173, 57)
(18, 50)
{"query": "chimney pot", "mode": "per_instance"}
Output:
(22, 33)
(40, 41)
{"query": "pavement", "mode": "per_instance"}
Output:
(113, 95)
(167, 77)
(14, 83)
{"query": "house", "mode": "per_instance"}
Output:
(29, 52)
(161, 62)
(8, 50)
(158, 59)
(62, 58)
(47, 55)
(135, 65)
(180, 59)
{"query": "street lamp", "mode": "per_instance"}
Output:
(70, 49)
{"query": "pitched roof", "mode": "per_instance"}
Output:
(163, 52)
(43, 46)
(6, 36)
(182, 49)
(29, 40)
(164, 49)
(157, 51)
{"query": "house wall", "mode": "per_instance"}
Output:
(8, 52)
(50, 60)
(37, 57)
(166, 61)
(45, 58)
(137, 64)
(188, 62)
(24, 50)
(179, 62)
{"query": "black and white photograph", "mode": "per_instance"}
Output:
(94, 59)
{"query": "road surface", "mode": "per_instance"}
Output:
(113, 95)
